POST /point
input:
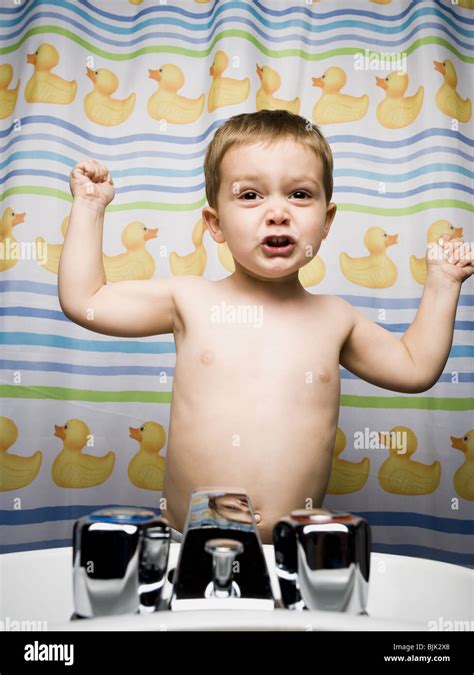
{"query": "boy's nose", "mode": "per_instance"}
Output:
(277, 214)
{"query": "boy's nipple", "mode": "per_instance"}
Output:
(207, 357)
(324, 375)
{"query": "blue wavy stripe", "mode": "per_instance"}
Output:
(406, 158)
(152, 371)
(375, 518)
(35, 545)
(21, 11)
(82, 151)
(189, 189)
(258, 11)
(465, 299)
(116, 346)
(407, 175)
(132, 347)
(52, 513)
(444, 12)
(180, 140)
(197, 171)
(415, 551)
(427, 522)
(119, 140)
(184, 189)
(347, 189)
(73, 369)
(269, 33)
(57, 315)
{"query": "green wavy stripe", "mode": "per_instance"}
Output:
(223, 35)
(193, 206)
(68, 394)
(347, 400)
(408, 402)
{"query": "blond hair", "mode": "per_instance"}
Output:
(267, 126)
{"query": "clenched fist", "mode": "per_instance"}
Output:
(91, 180)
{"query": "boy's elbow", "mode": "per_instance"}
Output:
(71, 311)
(423, 385)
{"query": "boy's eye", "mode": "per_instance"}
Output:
(302, 192)
(250, 192)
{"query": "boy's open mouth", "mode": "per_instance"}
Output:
(278, 245)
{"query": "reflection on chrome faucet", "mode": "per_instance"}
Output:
(225, 510)
(221, 562)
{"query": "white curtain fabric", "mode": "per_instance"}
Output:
(403, 166)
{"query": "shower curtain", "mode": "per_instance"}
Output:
(142, 86)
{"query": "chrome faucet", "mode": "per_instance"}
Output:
(120, 558)
(221, 561)
(323, 560)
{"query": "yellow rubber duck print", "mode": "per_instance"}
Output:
(346, 476)
(53, 251)
(270, 83)
(135, 2)
(400, 474)
(7, 96)
(195, 262)
(99, 105)
(225, 257)
(376, 270)
(396, 110)
(465, 4)
(136, 263)
(147, 468)
(312, 273)
(166, 104)
(334, 107)
(418, 266)
(8, 243)
(225, 90)
(74, 469)
(464, 477)
(46, 87)
(16, 471)
(447, 98)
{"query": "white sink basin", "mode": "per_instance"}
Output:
(404, 594)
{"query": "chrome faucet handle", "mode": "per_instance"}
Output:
(323, 560)
(120, 558)
(224, 552)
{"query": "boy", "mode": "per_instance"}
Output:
(257, 406)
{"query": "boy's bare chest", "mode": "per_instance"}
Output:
(249, 345)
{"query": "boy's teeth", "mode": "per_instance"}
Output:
(278, 241)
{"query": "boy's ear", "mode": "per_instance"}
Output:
(330, 213)
(211, 220)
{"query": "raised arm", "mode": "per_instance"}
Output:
(415, 362)
(123, 308)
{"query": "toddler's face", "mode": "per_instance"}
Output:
(271, 190)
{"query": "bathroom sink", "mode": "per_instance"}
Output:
(405, 593)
